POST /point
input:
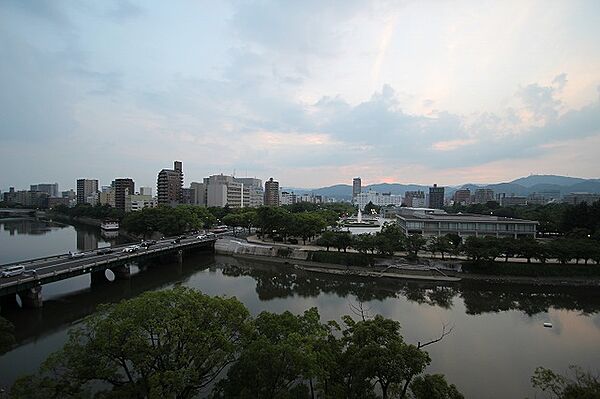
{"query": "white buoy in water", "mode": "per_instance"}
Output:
(549, 325)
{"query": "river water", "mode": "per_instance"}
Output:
(497, 341)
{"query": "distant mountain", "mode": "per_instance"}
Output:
(519, 187)
(533, 180)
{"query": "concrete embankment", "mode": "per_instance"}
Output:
(300, 259)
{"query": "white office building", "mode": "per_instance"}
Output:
(378, 199)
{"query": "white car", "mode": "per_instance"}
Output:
(131, 248)
(201, 236)
(73, 255)
(12, 271)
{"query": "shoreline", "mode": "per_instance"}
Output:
(412, 274)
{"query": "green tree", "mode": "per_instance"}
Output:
(434, 387)
(370, 208)
(284, 352)
(414, 244)
(440, 244)
(327, 239)
(168, 343)
(375, 350)
(583, 385)
(364, 243)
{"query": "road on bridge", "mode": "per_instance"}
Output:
(44, 267)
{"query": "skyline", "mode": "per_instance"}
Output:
(311, 94)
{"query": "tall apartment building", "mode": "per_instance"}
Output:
(272, 192)
(436, 197)
(221, 190)
(49, 188)
(414, 199)
(87, 191)
(462, 196)
(146, 191)
(483, 195)
(356, 187)
(122, 188)
(169, 185)
(136, 202)
(287, 198)
(255, 190)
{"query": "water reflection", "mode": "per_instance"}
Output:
(281, 281)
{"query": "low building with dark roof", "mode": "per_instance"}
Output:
(436, 222)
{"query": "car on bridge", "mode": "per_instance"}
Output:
(147, 244)
(131, 248)
(12, 271)
(104, 251)
(73, 255)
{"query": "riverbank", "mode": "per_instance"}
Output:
(55, 216)
(396, 267)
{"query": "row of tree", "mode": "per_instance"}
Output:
(391, 239)
(168, 220)
(90, 211)
(180, 343)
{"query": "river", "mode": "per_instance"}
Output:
(498, 338)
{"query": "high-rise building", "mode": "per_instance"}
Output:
(146, 191)
(255, 190)
(436, 197)
(169, 185)
(356, 187)
(462, 196)
(123, 188)
(272, 192)
(414, 199)
(49, 188)
(221, 190)
(87, 189)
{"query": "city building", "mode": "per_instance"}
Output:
(255, 190)
(107, 197)
(49, 188)
(436, 197)
(512, 200)
(436, 222)
(136, 202)
(87, 191)
(287, 198)
(414, 199)
(578, 198)
(271, 192)
(462, 196)
(543, 197)
(123, 188)
(169, 185)
(378, 199)
(483, 195)
(146, 191)
(356, 187)
(221, 190)
(188, 196)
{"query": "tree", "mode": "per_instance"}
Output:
(481, 248)
(440, 244)
(375, 350)
(415, 243)
(390, 239)
(364, 243)
(168, 343)
(528, 247)
(282, 354)
(434, 387)
(327, 239)
(342, 240)
(583, 385)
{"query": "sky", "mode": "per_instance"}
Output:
(311, 93)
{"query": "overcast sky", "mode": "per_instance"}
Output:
(311, 93)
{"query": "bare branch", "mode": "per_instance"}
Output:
(445, 331)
